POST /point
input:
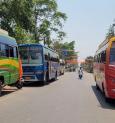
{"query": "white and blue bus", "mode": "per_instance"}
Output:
(39, 62)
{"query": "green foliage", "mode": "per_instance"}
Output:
(23, 36)
(67, 46)
(37, 18)
(48, 20)
(15, 13)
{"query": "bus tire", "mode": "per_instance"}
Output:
(47, 77)
(55, 76)
(107, 99)
(45, 81)
(19, 85)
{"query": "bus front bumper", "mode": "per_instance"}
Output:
(32, 78)
(28, 78)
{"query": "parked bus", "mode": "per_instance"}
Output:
(10, 64)
(62, 67)
(104, 68)
(39, 62)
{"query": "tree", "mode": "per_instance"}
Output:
(39, 18)
(48, 20)
(68, 48)
(23, 36)
(15, 13)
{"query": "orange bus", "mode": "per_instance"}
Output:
(104, 68)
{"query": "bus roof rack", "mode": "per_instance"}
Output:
(3, 32)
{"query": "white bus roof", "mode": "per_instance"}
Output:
(3, 32)
(5, 38)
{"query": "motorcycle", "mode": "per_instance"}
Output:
(80, 76)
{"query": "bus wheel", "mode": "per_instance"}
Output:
(56, 76)
(19, 85)
(45, 81)
(108, 100)
(1, 87)
(47, 77)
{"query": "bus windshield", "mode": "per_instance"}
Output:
(35, 55)
(112, 54)
(24, 54)
(31, 55)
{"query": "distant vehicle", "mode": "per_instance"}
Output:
(104, 68)
(80, 72)
(88, 64)
(62, 66)
(39, 62)
(10, 64)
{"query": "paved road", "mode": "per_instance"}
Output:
(68, 100)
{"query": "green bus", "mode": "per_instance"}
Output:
(10, 64)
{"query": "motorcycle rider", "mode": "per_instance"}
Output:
(80, 72)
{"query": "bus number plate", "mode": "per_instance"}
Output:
(27, 78)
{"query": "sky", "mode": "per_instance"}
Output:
(88, 22)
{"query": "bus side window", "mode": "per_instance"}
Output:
(7, 50)
(0, 50)
(11, 51)
(4, 51)
(95, 58)
(57, 59)
(98, 58)
(46, 57)
(15, 52)
(104, 56)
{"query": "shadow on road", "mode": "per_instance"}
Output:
(99, 95)
(38, 84)
(8, 90)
